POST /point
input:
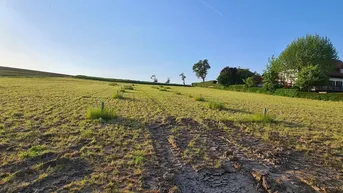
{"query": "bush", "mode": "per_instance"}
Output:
(324, 97)
(199, 98)
(118, 95)
(210, 83)
(287, 92)
(96, 113)
(216, 105)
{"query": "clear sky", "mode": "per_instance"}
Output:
(134, 39)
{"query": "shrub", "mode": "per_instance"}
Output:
(210, 83)
(324, 97)
(96, 113)
(257, 117)
(287, 92)
(216, 105)
(199, 98)
(118, 95)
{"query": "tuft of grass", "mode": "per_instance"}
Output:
(255, 118)
(96, 113)
(216, 105)
(113, 84)
(178, 93)
(118, 95)
(128, 87)
(199, 98)
(34, 151)
(164, 89)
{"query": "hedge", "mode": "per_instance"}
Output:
(281, 92)
(287, 92)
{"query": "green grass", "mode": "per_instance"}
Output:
(199, 98)
(40, 115)
(216, 105)
(128, 87)
(34, 151)
(164, 89)
(254, 118)
(118, 95)
(113, 84)
(96, 113)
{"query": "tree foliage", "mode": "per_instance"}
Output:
(232, 75)
(306, 51)
(311, 76)
(200, 68)
(183, 78)
(251, 81)
(227, 76)
(271, 75)
(302, 58)
(154, 78)
(168, 81)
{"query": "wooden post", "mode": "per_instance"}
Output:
(102, 106)
(265, 112)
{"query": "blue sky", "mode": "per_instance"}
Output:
(134, 39)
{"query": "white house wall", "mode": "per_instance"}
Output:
(336, 79)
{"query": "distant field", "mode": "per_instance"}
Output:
(164, 139)
(8, 71)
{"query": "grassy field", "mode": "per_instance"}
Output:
(17, 72)
(164, 139)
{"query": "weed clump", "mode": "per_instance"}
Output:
(164, 89)
(255, 118)
(105, 114)
(118, 95)
(178, 93)
(199, 98)
(113, 84)
(34, 151)
(128, 87)
(215, 105)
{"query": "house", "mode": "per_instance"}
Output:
(336, 76)
(289, 78)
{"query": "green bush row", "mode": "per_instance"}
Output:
(282, 92)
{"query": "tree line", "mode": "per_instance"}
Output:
(306, 62)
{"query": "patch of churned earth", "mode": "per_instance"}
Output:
(194, 157)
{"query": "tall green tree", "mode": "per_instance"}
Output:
(183, 78)
(227, 76)
(200, 68)
(270, 76)
(310, 50)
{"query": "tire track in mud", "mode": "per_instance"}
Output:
(225, 179)
(265, 162)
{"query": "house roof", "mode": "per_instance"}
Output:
(337, 74)
(338, 64)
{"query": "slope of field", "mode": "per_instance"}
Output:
(8, 71)
(163, 140)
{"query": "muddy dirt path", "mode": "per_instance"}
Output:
(225, 179)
